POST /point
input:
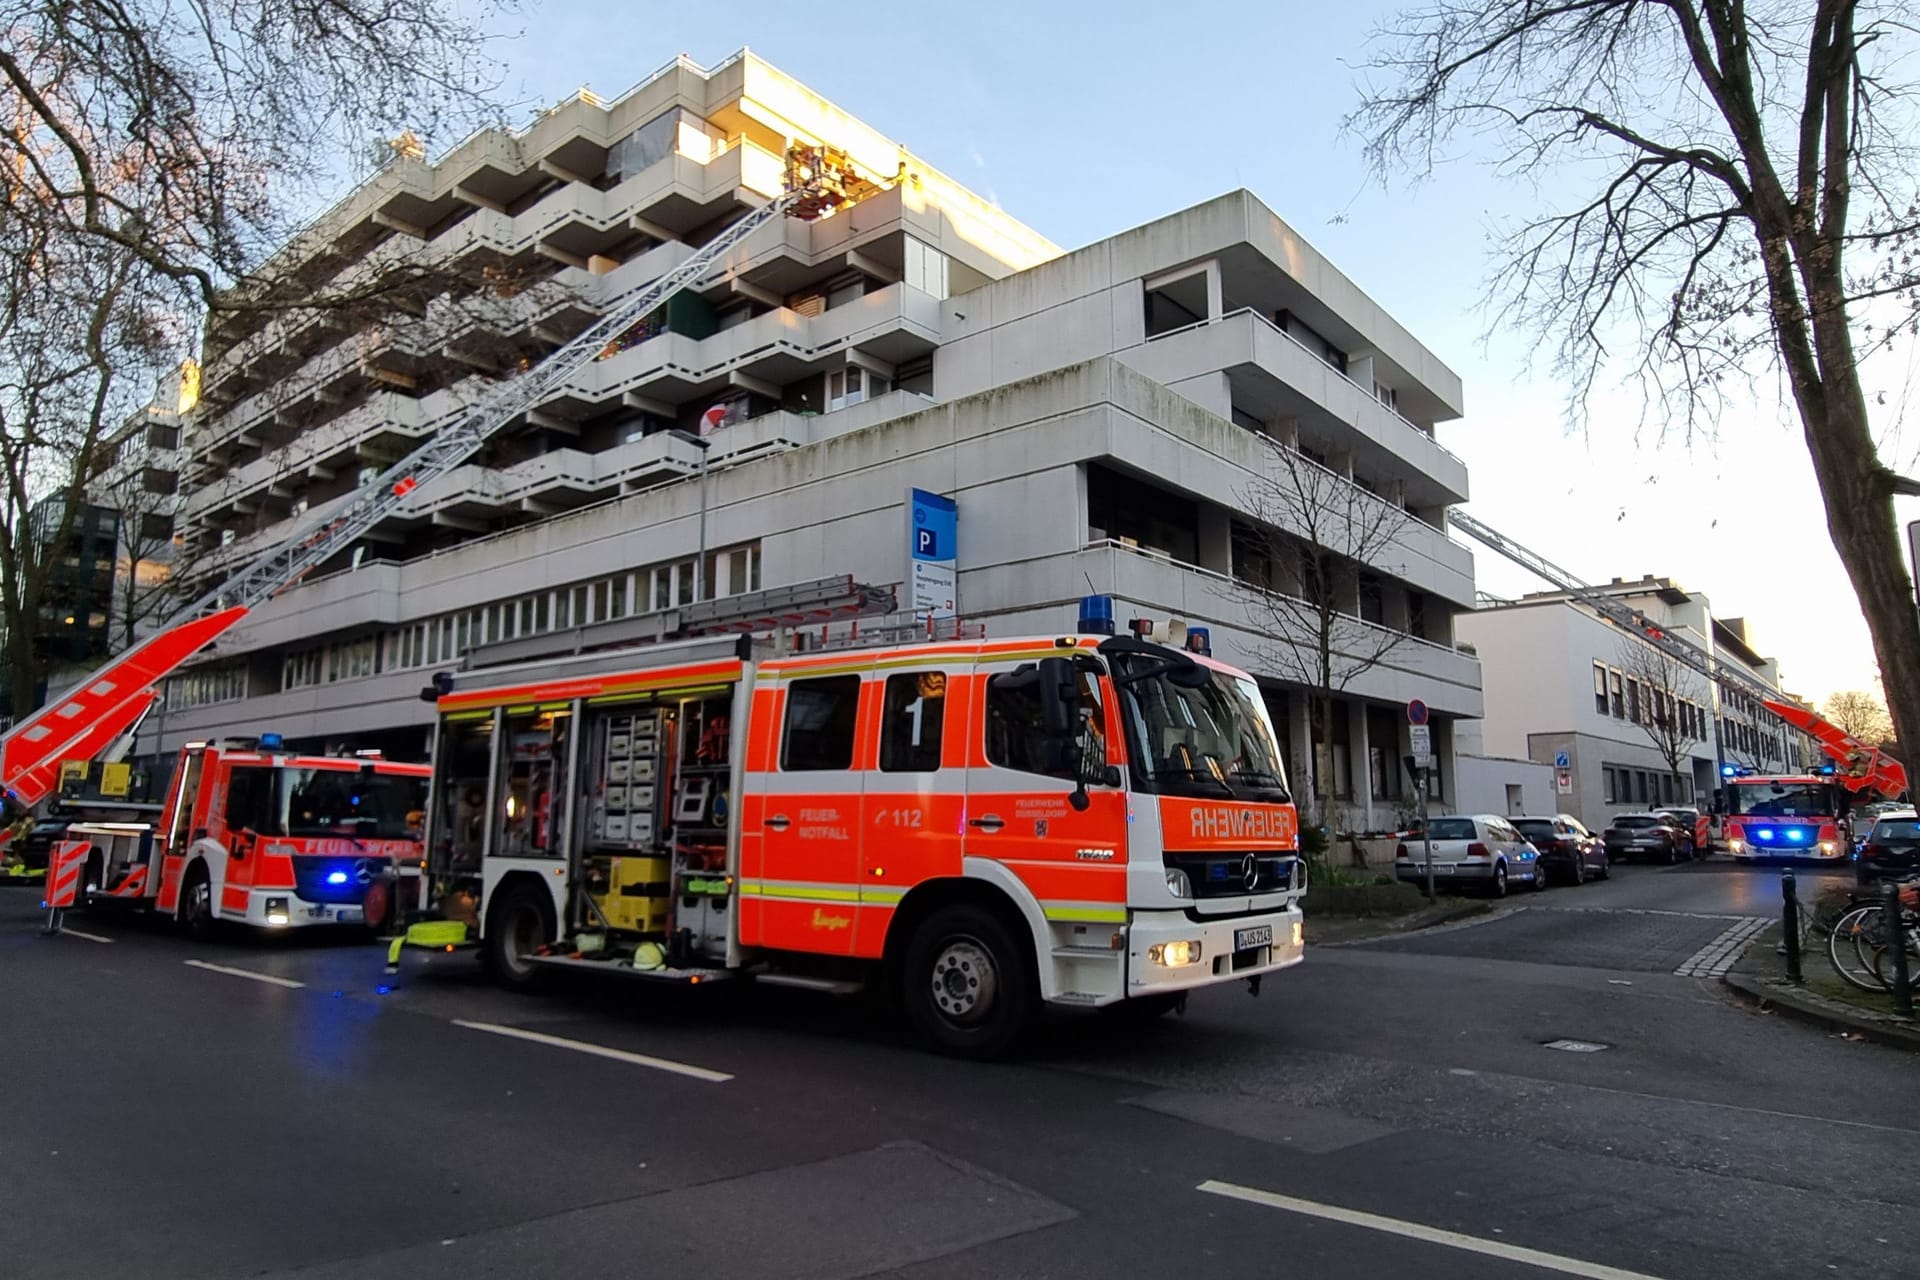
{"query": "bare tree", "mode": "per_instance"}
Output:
(143, 497)
(1860, 715)
(1308, 566)
(1750, 209)
(1668, 690)
(195, 135)
(82, 330)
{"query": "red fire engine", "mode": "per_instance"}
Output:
(249, 835)
(1084, 820)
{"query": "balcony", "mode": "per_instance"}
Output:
(1274, 376)
(893, 324)
(1164, 588)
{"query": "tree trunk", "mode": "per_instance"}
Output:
(1859, 506)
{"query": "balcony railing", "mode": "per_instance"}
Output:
(1230, 582)
(1367, 391)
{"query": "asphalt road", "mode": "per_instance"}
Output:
(1387, 1105)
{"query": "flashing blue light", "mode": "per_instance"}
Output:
(383, 989)
(271, 742)
(1096, 615)
(336, 877)
(1726, 771)
(1200, 640)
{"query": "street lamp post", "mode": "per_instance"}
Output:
(699, 565)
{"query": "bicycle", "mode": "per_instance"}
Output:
(1859, 948)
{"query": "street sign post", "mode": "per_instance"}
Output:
(1416, 712)
(1417, 770)
(1561, 760)
(1420, 740)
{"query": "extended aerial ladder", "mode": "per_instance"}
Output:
(1868, 764)
(108, 703)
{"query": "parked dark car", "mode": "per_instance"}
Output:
(1568, 850)
(1648, 835)
(1892, 847)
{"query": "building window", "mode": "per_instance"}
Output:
(1600, 688)
(1373, 607)
(1607, 784)
(925, 268)
(1618, 686)
(851, 289)
(1417, 614)
(1633, 700)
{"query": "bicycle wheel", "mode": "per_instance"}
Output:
(1883, 958)
(1850, 949)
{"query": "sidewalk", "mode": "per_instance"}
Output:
(1824, 999)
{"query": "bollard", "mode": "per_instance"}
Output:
(1900, 981)
(1790, 925)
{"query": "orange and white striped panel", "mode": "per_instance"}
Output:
(64, 867)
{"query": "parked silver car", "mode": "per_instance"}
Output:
(1479, 848)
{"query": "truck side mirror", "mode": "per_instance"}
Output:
(1059, 698)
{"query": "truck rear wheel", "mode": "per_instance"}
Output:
(517, 927)
(968, 986)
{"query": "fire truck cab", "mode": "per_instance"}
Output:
(1785, 816)
(1082, 820)
(253, 836)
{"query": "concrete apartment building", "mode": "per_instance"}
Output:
(1096, 415)
(1562, 680)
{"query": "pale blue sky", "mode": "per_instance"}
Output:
(1085, 119)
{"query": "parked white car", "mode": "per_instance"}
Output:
(1479, 848)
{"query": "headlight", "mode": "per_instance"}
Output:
(277, 911)
(1827, 846)
(1174, 955)
(1177, 883)
(1736, 845)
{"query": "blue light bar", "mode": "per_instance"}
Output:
(271, 742)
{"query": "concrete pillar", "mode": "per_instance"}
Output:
(1361, 764)
(1300, 734)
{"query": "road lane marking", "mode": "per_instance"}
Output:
(1714, 959)
(90, 937)
(599, 1051)
(249, 974)
(1418, 1231)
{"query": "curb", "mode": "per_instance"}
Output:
(1806, 1009)
(1465, 911)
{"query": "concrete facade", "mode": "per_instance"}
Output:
(1098, 416)
(1564, 680)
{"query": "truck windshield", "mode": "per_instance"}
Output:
(1211, 741)
(1783, 799)
(337, 802)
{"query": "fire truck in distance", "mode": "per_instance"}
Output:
(1783, 816)
(253, 836)
(1090, 820)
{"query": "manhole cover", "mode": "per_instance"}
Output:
(1576, 1046)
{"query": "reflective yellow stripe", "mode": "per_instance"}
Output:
(882, 897)
(802, 892)
(1087, 915)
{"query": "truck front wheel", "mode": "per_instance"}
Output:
(968, 986)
